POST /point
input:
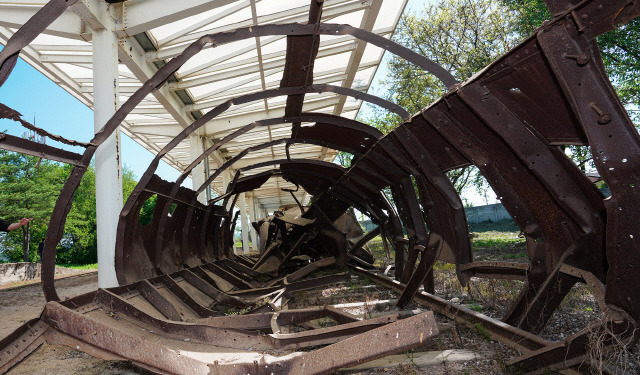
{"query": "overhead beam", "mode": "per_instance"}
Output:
(292, 15)
(132, 55)
(140, 16)
(68, 25)
(205, 22)
(334, 75)
(244, 69)
(229, 123)
(59, 77)
(245, 162)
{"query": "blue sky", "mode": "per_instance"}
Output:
(34, 95)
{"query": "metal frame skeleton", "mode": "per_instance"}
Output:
(508, 120)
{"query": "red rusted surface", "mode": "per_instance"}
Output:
(508, 121)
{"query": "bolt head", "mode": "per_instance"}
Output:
(604, 119)
(583, 59)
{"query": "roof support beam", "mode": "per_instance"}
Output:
(140, 16)
(252, 68)
(197, 174)
(229, 123)
(339, 73)
(32, 57)
(205, 22)
(247, 161)
(68, 25)
(293, 15)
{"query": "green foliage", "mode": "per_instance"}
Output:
(532, 13)
(620, 52)
(500, 240)
(92, 266)
(79, 244)
(475, 306)
(146, 212)
(28, 189)
(514, 256)
(468, 176)
(344, 159)
(129, 182)
(463, 36)
(482, 331)
(621, 55)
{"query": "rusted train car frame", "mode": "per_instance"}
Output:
(508, 120)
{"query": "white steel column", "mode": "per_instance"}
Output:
(252, 219)
(108, 168)
(226, 180)
(242, 203)
(197, 173)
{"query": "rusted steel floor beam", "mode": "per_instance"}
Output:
(117, 330)
(500, 331)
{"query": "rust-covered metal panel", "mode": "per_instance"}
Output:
(508, 121)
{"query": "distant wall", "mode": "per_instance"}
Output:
(368, 226)
(491, 212)
(13, 272)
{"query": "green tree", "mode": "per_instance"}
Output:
(28, 188)
(463, 36)
(620, 52)
(619, 48)
(79, 244)
(146, 212)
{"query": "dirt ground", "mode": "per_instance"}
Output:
(19, 305)
(455, 350)
(441, 355)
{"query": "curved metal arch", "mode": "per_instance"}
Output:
(305, 117)
(348, 193)
(287, 141)
(266, 94)
(62, 207)
(160, 233)
(301, 163)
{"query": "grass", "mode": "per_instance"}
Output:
(499, 240)
(93, 266)
(482, 331)
(502, 240)
(498, 226)
(495, 239)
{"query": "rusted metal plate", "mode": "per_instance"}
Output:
(508, 121)
(27, 147)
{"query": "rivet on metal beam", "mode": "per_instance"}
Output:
(604, 118)
(581, 59)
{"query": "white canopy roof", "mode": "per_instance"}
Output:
(152, 31)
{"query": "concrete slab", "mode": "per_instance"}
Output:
(420, 359)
